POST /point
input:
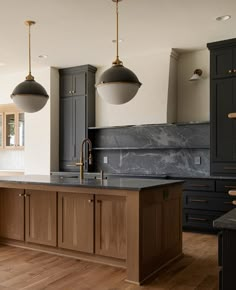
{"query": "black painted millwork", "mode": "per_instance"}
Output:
(223, 102)
(77, 112)
(227, 259)
(205, 200)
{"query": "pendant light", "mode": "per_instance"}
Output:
(29, 95)
(118, 84)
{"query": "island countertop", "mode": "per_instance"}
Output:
(91, 182)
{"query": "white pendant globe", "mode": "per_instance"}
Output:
(118, 85)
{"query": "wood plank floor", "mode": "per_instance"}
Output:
(31, 270)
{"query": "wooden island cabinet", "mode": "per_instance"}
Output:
(131, 223)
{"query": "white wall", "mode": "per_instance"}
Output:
(193, 97)
(149, 106)
(37, 132)
(41, 128)
(172, 89)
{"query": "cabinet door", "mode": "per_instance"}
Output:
(12, 213)
(20, 130)
(67, 134)
(66, 85)
(79, 86)
(110, 232)
(40, 216)
(221, 63)
(223, 137)
(10, 130)
(76, 221)
(80, 124)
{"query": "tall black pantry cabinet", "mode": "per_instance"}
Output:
(77, 112)
(222, 103)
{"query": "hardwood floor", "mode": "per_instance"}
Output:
(31, 270)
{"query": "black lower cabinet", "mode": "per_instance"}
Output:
(205, 200)
(227, 259)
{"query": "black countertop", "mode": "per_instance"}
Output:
(90, 181)
(151, 176)
(226, 221)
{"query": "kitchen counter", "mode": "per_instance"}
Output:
(90, 181)
(127, 222)
(226, 221)
(149, 176)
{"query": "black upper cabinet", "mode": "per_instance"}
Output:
(223, 102)
(73, 84)
(223, 59)
(77, 112)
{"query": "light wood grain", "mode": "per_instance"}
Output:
(24, 269)
(12, 213)
(76, 221)
(41, 217)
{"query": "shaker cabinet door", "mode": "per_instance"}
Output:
(223, 128)
(222, 63)
(76, 221)
(41, 217)
(110, 231)
(12, 213)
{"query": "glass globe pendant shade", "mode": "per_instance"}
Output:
(118, 85)
(29, 96)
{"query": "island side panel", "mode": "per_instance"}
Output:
(133, 238)
(160, 228)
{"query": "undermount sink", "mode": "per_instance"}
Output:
(87, 175)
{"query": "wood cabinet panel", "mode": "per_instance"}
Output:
(12, 213)
(111, 225)
(76, 221)
(41, 217)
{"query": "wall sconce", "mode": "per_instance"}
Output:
(196, 75)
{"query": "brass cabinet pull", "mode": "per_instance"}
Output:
(232, 115)
(27, 195)
(230, 167)
(199, 200)
(21, 194)
(198, 219)
(230, 71)
(90, 200)
(234, 202)
(99, 201)
(199, 185)
(234, 70)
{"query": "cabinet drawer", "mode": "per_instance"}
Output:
(223, 169)
(200, 220)
(225, 185)
(205, 202)
(199, 185)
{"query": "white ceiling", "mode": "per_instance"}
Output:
(75, 32)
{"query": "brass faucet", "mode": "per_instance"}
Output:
(81, 160)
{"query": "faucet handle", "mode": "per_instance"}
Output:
(90, 158)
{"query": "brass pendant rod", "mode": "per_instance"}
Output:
(29, 77)
(29, 51)
(117, 30)
(117, 61)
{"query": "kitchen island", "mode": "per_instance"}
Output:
(126, 222)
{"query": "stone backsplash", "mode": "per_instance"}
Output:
(170, 149)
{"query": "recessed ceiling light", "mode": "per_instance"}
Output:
(223, 18)
(42, 56)
(120, 40)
